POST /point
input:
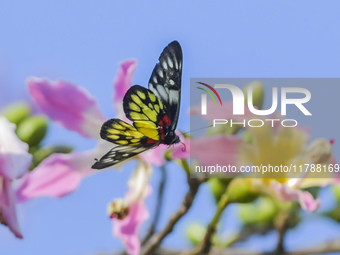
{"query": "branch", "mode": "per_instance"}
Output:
(158, 205)
(324, 248)
(155, 241)
(205, 247)
(282, 223)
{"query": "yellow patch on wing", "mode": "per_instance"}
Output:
(147, 128)
(134, 107)
(160, 104)
(136, 99)
(118, 126)
(114, 137)
(151, 114)
(114, 131)
(157, 108)
(138, 116)
(123, 133)
(122, 142)
(152, 97)
(141, 95)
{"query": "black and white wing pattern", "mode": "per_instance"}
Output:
(120, 153)
(165, 81)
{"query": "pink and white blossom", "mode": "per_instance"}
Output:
(14, 163)
(132, 210)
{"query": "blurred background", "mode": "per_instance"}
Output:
(84, 42)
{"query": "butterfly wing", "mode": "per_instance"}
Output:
(165, 81)
(120, 153)
(147, 112)
(154, 111)
(129, 140)
(121, 133)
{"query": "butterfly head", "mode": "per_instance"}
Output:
(171, 138)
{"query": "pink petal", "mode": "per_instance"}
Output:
(14, 157)
(56, 176)
(155, 156)
(127, 229)
(67, 104)
(217, 149)
(121, 85)
(182, 151)
(306, 200)
(7, 206)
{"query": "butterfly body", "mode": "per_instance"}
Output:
(154, 112)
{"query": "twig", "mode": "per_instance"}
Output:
(206, 244)
(158, 210)
(282, 224)
(156, 240)
(324, 248)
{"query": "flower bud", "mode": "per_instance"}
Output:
(262, 212)
(217, 187)
(247, 136)
(320, 150)
(239, 191)
(16, 112)
(168, 155)
(195, 232)
(336, 190)
(334, 213)
(32, 130)
(118, 209)
(258, 93)
(40, 154)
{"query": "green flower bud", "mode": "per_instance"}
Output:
(336, 190)
(168, 155)
(16, 112)
(40, 154)
(195, 232)
(217, 187)
(262, 212)
(247, 136)
(334, 213)
(32, 130)
(239, 191)
(258, 93)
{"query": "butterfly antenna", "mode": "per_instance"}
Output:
(197, 129)
(184, 147)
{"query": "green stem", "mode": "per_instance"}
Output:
(185, 166)
(205, 247)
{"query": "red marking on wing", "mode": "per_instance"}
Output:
(166, 120)
(151, 141)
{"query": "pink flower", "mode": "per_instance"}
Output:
(73, 108)
(306, 200)
(130, 213)
(268, 145)
(226, 146)
(14, 163)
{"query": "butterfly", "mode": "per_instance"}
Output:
(154, 112)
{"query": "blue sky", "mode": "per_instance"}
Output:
(83, 42)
